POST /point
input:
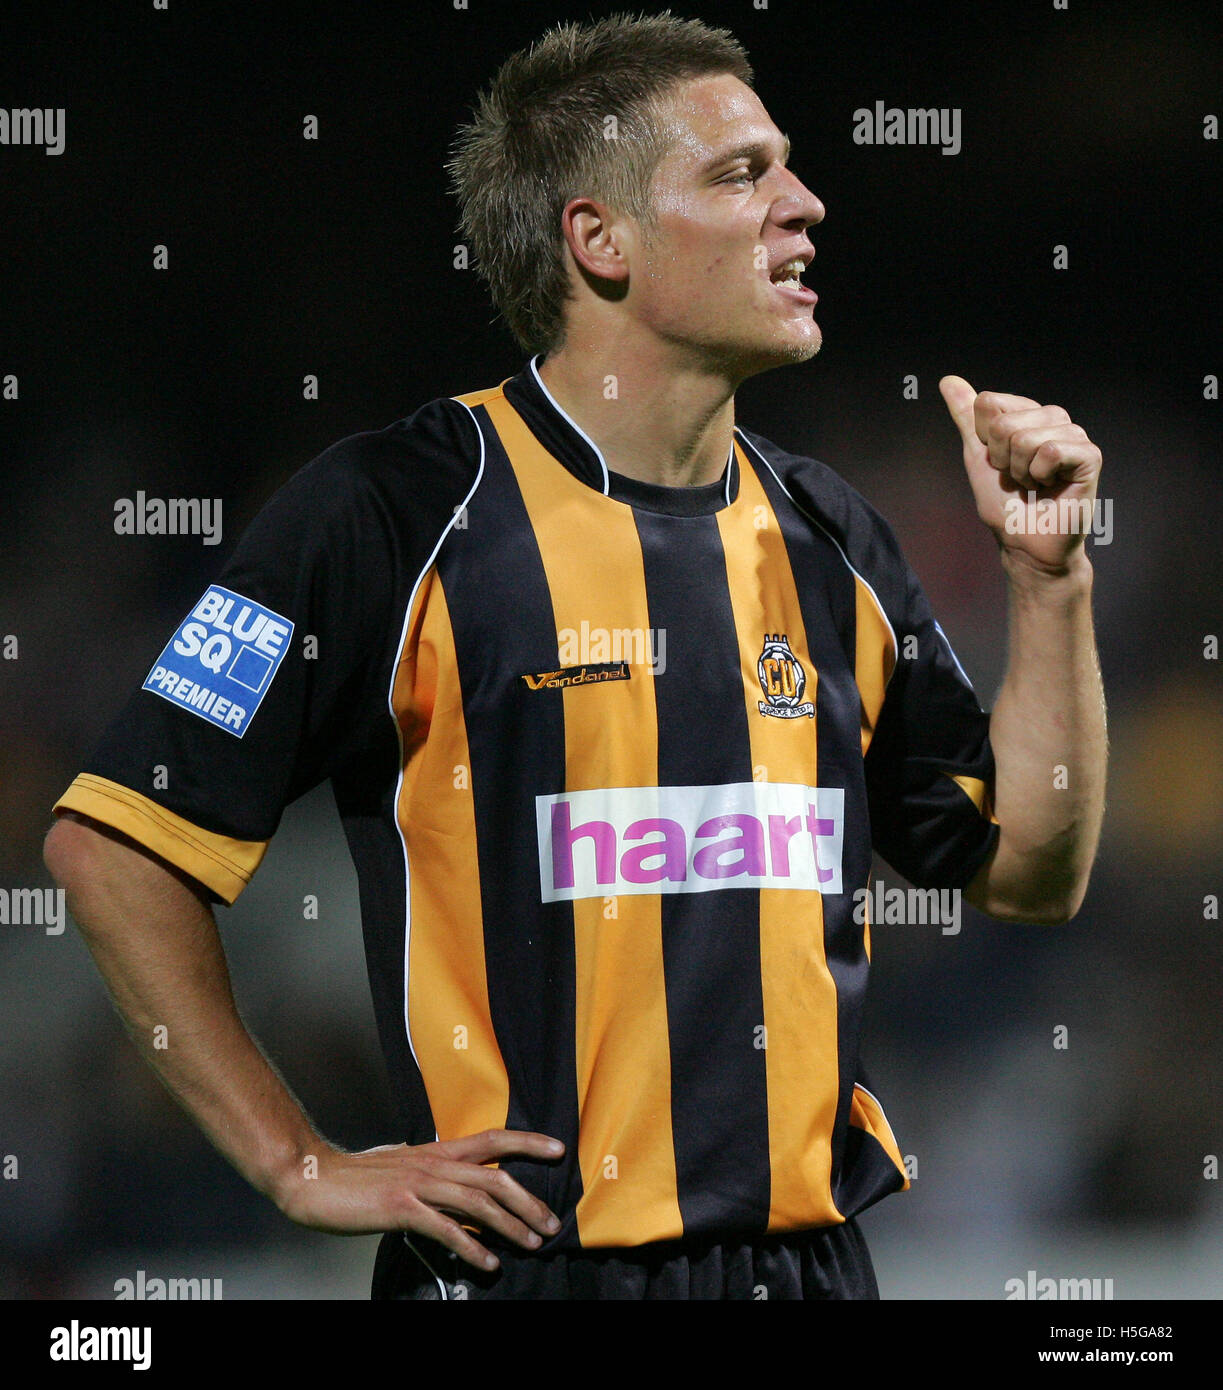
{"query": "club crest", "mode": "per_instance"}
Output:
(782, 679)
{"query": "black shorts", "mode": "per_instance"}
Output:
(830, 1262)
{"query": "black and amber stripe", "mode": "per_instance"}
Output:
(719, 1093)
(692, 1050)
(840, 613)
(695, 1051)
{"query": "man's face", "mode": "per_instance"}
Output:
(730, 215)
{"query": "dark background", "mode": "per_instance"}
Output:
(1081, 127)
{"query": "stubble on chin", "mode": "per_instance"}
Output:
(791, 354)
(806, 350)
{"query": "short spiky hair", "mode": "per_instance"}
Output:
(541, 135)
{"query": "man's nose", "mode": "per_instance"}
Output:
(799, 206)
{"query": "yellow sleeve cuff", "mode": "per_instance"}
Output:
(220, 863)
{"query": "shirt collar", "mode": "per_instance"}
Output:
(567, 442)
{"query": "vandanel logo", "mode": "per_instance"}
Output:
(579, 675)
(782, 679)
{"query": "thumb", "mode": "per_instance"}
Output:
(960, 396)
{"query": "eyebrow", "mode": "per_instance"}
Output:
(755, 150)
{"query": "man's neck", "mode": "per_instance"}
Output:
(652, 420)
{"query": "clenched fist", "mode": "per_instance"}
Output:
(1033, 472)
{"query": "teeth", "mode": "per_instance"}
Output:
(788, 274)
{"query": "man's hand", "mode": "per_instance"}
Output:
(152, 935)
(1034, 473)
(424, 1187)
(1023, 460)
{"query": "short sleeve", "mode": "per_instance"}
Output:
(261, 687)
(930, 767)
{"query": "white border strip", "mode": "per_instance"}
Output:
(556, 406)
(441, 1283)
(858, 1086)
(730, 462)
(841, 553)
(390, 704)
(938, 627)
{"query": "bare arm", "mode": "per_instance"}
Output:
(1050, 747)
(153, 936)
(1034, 475)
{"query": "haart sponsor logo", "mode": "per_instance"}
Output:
(632, 840)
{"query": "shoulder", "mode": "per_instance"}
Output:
(862, 534)
(426, 456)
(401, 484)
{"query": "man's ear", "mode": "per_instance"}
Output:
(596, 240)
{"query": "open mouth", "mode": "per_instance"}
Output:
(787, 279)
(789, 275)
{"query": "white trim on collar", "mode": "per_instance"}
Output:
(598, 453)
(564, 414)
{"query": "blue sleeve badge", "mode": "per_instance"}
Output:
(222, 660)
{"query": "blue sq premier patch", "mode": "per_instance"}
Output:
(222, 660)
